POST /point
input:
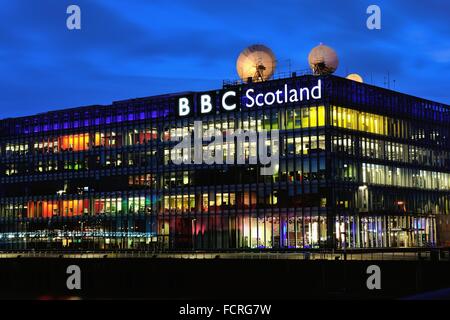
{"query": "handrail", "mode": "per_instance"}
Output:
(441, 254)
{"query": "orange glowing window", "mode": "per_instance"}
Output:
(30, 209)
(76, 142)
(47, 209)
(72, 207)
(51, 210)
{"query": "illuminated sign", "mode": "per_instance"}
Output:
(207, 101)
(229, 100)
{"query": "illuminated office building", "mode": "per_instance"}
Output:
(360, 167)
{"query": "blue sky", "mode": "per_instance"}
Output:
(137, 48)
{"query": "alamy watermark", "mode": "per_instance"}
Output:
(259, 147)
(374, 20)
(73, 281)
(73, 21)
(374, 280)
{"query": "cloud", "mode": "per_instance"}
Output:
(140, 48)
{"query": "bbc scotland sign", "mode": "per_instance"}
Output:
(231, 100)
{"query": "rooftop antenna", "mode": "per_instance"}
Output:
(284, 66)
(256, 63)
(389, 80)
(259, 74)
(323, 60)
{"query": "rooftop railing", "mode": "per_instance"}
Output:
(276, 76)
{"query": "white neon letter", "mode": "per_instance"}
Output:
(249, 97)
(205, 103)
(183, 107)
(224, 99)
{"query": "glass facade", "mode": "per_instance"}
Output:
(362, 167)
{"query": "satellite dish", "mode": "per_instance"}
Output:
(355, 77)
(256, 62)
(323, 60)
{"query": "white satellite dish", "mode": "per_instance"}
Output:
(256, 62)
(323, 60)
(355, 77)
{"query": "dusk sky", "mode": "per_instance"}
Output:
(137, 48)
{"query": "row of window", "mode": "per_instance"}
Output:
(81, 162)
(199, 231)
(224, 232)
(384, 231)
(365, 198)
(376, 124)
(348, 93)
(83, 142)
(298, 145)
(404, 177)
(390, 151)
(390, 176)
(99, 116)
(305, 117)
(145, 203)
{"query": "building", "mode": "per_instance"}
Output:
(360, 167)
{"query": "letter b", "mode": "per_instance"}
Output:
(205, 104)
(183, 107)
